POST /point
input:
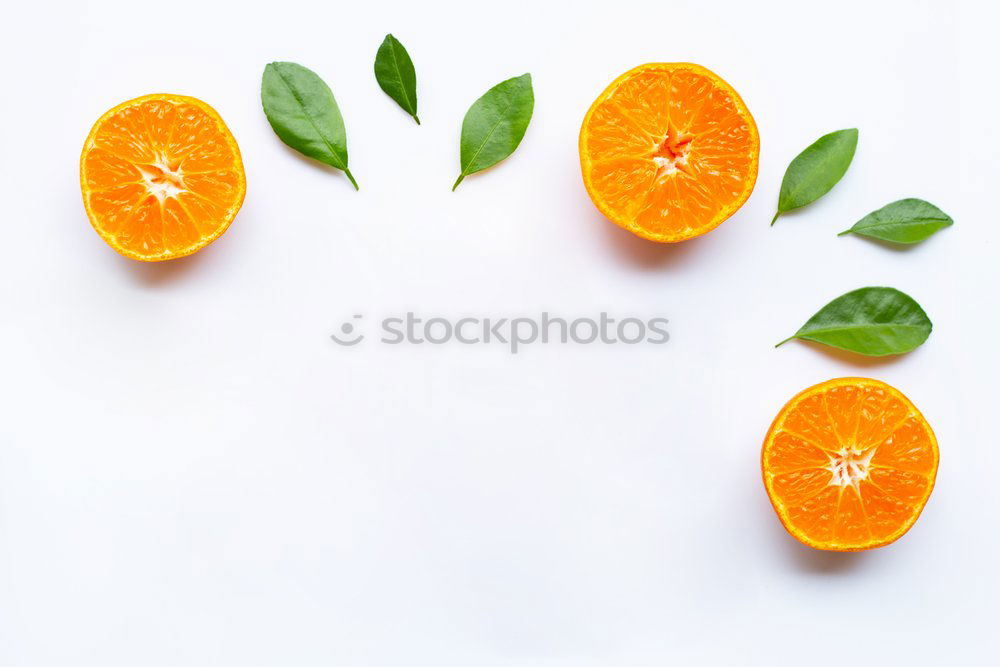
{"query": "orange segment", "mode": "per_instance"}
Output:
(849, 464)
(669, 151)
(161, 177)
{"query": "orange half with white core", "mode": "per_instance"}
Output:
(849, 464)
(669, 151)
(161, 177)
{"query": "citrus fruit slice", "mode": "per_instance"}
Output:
(161, 177)
(849, 464)
(669, 151)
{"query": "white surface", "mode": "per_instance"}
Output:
(191, 473)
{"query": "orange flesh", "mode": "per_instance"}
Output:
(849, 464)
(161, 177)
(669, 151)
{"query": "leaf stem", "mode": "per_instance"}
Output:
(846, 231)
(786, 340)
(775, 218)
(351, 178)
(460, 177)
(416, 119)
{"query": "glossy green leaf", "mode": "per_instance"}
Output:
(816, 170)
(495, 124)
(396, 76)
(874, 321)
(903, 221)
(304, 114)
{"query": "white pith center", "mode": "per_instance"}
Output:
(848, 466)
(668, 166)
(161, 181)
(671, 154)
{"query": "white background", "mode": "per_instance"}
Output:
(191, 473)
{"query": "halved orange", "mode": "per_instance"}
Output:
(161, 177)
(849, 464)
(669, 151)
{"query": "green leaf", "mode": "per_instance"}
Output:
(396, 76)
(903, 221)
(816, 170)
(303, 113)
(495, 124)
(874, 321)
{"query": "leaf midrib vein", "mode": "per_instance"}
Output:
(486, 140)
(832, 150)
(858, 326)
(402, 84)
(308, 116)
(899, 223)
